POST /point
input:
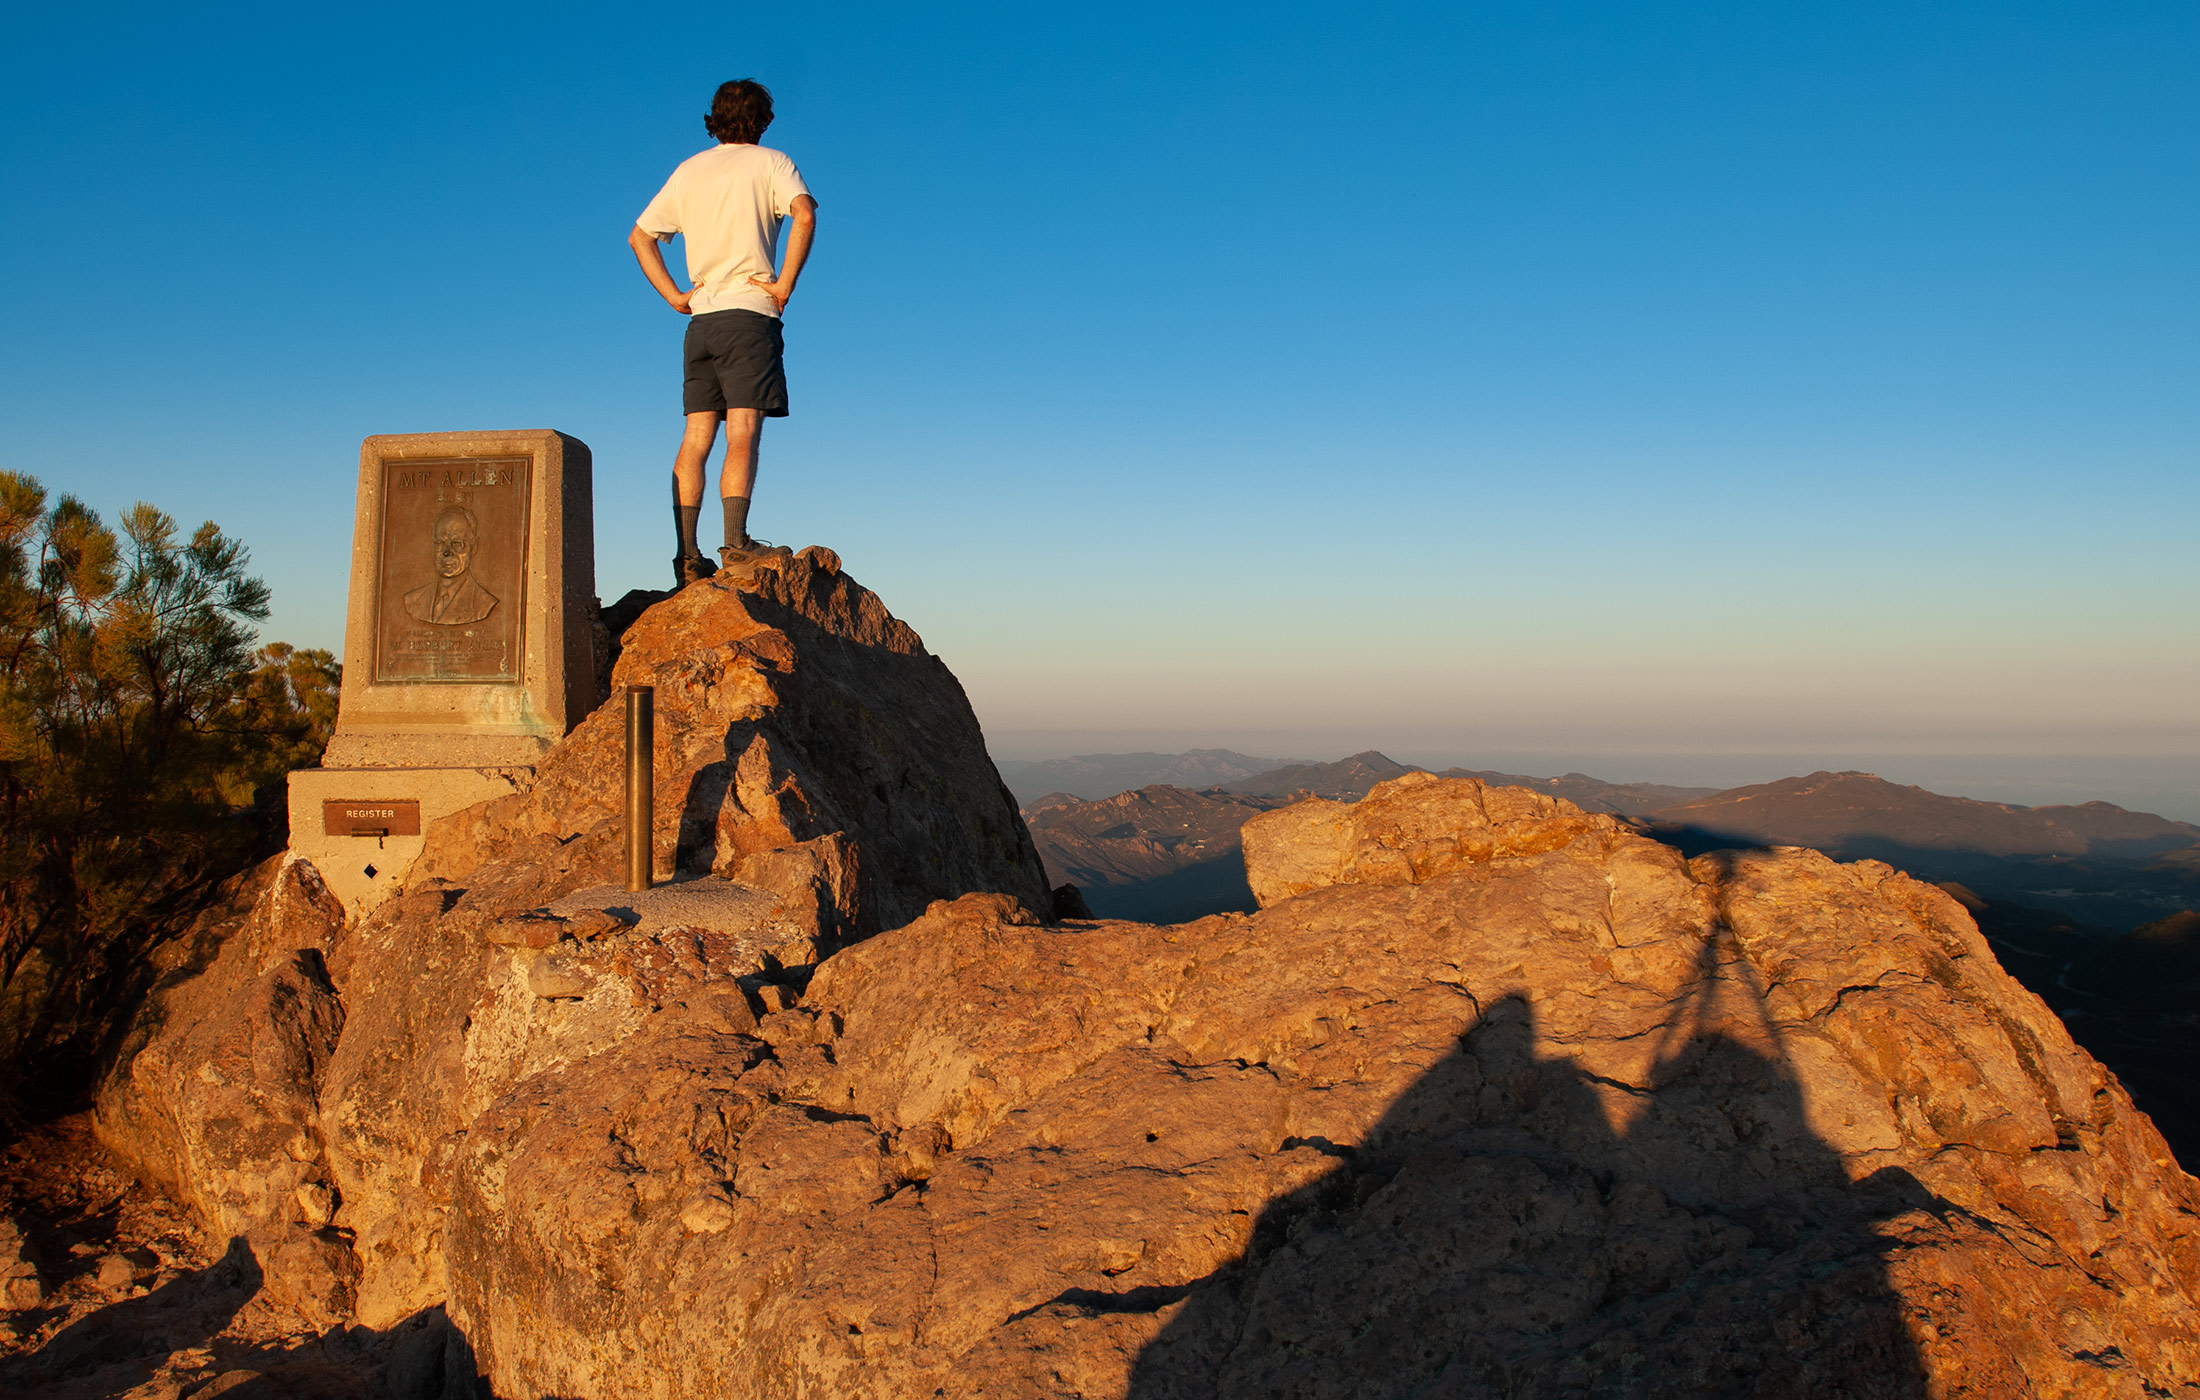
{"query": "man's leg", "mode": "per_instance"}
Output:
(737, 478)
(687, 477)
(695, 446)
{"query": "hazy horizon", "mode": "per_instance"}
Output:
(2140, 783)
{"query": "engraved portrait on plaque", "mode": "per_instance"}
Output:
(454, 546)
(455, 597)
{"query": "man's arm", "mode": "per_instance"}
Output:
(804, 218)
(652, 259)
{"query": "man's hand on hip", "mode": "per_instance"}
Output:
(802, 221)
(777, 288)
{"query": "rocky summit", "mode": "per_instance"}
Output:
(1491, 1096)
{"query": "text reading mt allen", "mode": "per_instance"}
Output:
(446, 477)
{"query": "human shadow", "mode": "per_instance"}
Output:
(1517, 1226)
(138, 1334)
(425, 1357)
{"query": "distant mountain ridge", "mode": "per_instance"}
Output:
(1165, 853)
(1348, 779)
(2094, 862)
(1591, 794)
(1861, 812)
(1096, 775)
(1161, 854)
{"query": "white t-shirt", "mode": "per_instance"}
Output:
(729, 201)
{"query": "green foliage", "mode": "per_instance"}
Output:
(137, 723)
(279, 720)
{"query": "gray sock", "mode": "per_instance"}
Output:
(737, 518)
(686, 516)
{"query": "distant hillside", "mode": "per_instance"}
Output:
(2107, 868)
(1348, 780)
(1161, 854)
(1591, 794)
(2156, 966)
(1096, 775)
(1166, 854)
(2133, 1004)
(1843, 812)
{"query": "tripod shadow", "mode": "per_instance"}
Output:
(1516, 1226)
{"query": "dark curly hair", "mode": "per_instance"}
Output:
(740, 111)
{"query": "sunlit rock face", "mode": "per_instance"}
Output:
(216, 1095)
(1492, 1097)
(820, 776)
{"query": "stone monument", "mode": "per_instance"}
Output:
(469, 644)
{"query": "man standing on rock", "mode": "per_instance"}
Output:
(730, 203)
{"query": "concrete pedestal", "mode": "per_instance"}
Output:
(364, 869)
(470, 646)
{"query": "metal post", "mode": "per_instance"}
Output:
(641, 795)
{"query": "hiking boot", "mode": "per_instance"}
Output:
(747, 551)
(690, 568)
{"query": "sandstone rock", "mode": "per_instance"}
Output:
(21, 1283)
(528, 931)
(791, 707)
(316, 1204)
(594, 923)
(559, 977)
(114, 1274)
(1491, 1097)
(228, 1060)
(1403, 832)
(217, 1099)
(708, 1213)
(1069, 903)
(1508, 1101)
(310, 1271)
(821, 776)
(430, 1361)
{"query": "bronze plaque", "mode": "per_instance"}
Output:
(395, 817)
(453, 566)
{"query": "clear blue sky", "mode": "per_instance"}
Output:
(1669, 387)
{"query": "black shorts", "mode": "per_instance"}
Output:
(734, 360)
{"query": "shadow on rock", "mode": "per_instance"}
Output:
(425, 1357)
(1517, 1227)
(432, 1360)
(135, 1336)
